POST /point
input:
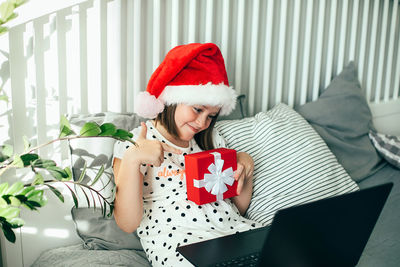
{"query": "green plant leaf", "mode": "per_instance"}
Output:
(104, 208)
(43, 163)
(3, 97)
(122, 134)
(56, 192)
(38, 179)
(15, 188)
(86, 196)
(21, 198)
(113, 191)
(111, 210)
(33, 204)
(107, 129)
(27, 190)
(58, 173)
(42, 201)
(3, 188)
(29, 206)
(94, 200)
(27, 144)
(98, 175)
(6, 11)
(27, 159)
(90, 129)
(65, 131)
(3, 203)
(65, 127)
(73, 196)
(38, 196)
(7, 199)
(12, 16)
(64, 121)
(82, 173)
(16, 222)
(6, 152)
(18, 163)
(68, 171)
(34, 193)
(7, 230)
(9, 212)
(15, 201)
(2, 31)
(17, 3)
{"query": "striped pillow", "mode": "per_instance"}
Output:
(293, 165)
(388, 147)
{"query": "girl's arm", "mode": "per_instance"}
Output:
(128, 204)
(244, 175)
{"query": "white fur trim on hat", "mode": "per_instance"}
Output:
(147, 105)
(208, 94)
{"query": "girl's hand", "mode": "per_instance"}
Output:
(244, 171)
(148, 151)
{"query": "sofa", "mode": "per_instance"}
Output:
(298, 151)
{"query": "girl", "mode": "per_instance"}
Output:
(184, 97)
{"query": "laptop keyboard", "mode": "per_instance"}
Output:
(247, 260)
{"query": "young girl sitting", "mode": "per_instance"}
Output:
(184, 97)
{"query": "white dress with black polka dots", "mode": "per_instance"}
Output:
(169, 219)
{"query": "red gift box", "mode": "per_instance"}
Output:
(209, 175)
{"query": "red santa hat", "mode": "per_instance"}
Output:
(192, 74)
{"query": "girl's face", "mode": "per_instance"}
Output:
(190, 120)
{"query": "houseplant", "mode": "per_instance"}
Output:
(31, 195)
(17, 195)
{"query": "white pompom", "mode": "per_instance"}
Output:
(147, 105)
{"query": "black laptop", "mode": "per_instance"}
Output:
(327, 232)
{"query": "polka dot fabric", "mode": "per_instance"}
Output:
(169, 219)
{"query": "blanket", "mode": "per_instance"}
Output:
(77, 255)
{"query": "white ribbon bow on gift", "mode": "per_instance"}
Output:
(215, 182)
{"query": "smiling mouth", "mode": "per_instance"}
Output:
(194, 129)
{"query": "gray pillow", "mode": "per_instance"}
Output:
(343, 119)
(239, 112)
(98, 232)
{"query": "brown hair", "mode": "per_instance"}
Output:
(204, 138)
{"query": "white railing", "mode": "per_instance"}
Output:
(96, 55)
